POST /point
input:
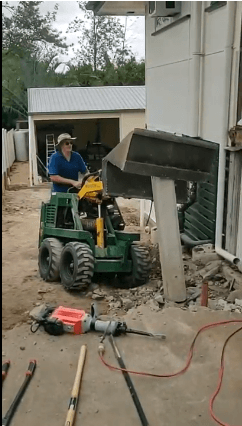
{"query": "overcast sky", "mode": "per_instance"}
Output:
(68, 10)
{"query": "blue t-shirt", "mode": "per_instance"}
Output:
(59, 165)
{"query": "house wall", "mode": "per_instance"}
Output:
(131, 120)
(167, 76)
(192, 69)
(170, 58)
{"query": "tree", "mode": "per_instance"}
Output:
(102, 39)
(27, 31)
(13, 95)
(132, 73)
(30, 48)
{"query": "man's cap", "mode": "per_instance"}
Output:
(63, 137)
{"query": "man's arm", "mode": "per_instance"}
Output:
(64, 181)
(82, 166)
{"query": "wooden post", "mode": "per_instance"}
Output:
(233, 203)
(169, 239)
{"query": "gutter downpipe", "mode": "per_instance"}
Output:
(195, 66)
(222, 155)
(196, 54)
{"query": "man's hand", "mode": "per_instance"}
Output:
(64, 181)
(76, 184)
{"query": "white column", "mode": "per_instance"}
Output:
(142, 210)
(169, 239)
(32, 153)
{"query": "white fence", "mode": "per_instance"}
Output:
(8, 154)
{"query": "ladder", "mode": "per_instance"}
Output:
(50, 148)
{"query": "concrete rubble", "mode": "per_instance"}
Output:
(224, 284)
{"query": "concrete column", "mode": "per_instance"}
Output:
(169, 239)
(142, 212)
(32, 153)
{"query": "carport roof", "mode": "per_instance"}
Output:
(48, 100)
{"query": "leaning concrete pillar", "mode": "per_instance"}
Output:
(169, 239)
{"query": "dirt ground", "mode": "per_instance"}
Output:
(22, 285)
(105, 399)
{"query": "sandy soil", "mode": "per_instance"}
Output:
(105, 399)
(22, 286)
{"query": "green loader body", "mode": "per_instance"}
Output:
(68, 244)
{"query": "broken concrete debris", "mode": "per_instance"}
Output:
(97, 296)
(234, 295)
(232, 276)
(115, 305)
(160, 299)
(153, 304)
(233, 307)
(204, 253)
(217, 272)
(192, 308)
(211, 269)
(127, 304)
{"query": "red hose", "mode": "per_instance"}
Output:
(221, 372)
(188, 362)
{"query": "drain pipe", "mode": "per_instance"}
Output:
(195, 65)
(196, 40)
(222, 155)
(193, 243)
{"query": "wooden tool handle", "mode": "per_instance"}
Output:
(81, 361)
(70, 417)
(76, 387)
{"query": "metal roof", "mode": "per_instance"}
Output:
(52, 100)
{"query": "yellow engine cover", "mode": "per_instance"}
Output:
(91, 189)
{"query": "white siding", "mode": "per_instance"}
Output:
(166, 112)
(167, 76)
(8, 150)
(8, 153)
(212, 126)
(169, 57)
(182, 100)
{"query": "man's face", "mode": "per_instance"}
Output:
(66, 146)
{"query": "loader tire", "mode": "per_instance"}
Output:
(49, 259)
(141, 268)
(76, 266)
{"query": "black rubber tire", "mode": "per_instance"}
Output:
(49, 259)
(76, 266)
(141, 268)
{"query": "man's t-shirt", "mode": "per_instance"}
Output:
(59, 165)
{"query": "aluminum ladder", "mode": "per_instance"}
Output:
(50, 148)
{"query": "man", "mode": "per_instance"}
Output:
(65, 165)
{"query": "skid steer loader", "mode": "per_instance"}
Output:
(82, 234)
